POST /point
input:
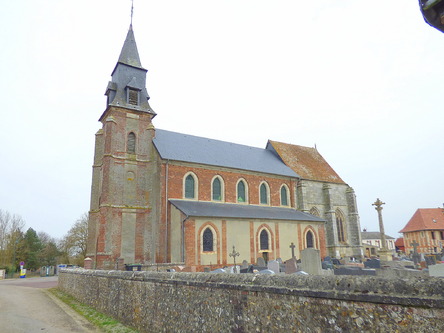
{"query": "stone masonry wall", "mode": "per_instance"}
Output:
(204, 302)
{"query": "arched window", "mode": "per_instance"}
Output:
(264, 240)
(241, 192)
(309, 239)
(207, 240)
(131, 144)
(190, 187)
(217, 189)
(284, 195)
(264, 194)
(340, 226)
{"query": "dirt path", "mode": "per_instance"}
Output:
(25, 306)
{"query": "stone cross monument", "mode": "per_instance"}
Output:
(384, 253)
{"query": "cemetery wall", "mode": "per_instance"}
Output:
(188, 302)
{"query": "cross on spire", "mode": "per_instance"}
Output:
(132, 7)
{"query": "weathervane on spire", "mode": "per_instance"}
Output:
(132, 6)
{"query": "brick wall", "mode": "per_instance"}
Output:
(191, 302)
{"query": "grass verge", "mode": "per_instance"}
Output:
(102, 321)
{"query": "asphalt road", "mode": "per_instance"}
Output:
(25, 306)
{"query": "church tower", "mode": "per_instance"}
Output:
(123, 214)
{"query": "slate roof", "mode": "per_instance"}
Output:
(305, 161)
(129, 54)
(373, 235)
(426, 219)
(188, 148)
(228, 210)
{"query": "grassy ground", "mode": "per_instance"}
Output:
(105, 323)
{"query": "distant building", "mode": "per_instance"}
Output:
(399, 244)
(371, 240)
(426, 228)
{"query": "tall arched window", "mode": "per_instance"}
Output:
(190, 187)
(284, 196)
(131, 143)
(340, 226)
(217, 189)
(309, 239)
(264, 240)
(241, 193)
(207, 240)
(264, 194)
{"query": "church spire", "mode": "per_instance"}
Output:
(129, 54)
(127, 87)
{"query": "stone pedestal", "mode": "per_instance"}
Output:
(385, 255)
(87, 263)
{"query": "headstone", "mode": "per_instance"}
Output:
(266, 271)
(244, 264)
(261, 262)
(372, 263)
(273, 265)
(235, 269)
(291, 266)
(430, 260)
(311, 261)
(436, 270)
(279, 260)
(218, 271)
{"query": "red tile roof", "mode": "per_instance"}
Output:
(306, 162)
(399, 242)
(426, 219)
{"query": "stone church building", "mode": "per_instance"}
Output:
(165, 197)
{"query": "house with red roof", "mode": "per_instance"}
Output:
(426, 228)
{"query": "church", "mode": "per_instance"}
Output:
(165, 197)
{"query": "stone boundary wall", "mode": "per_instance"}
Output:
(204, 302)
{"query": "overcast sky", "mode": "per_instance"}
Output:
(361, 80)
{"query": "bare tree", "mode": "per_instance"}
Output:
(74, 243)
(11, 227)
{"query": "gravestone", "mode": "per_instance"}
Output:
(218, 271)
(261, 262)
(311, 261)
(235, 269)
(244, 264)
(267, 271)
(372, 263)
(273, 265)
(291, 266)
(430, 260)
(279, 260)
(436, 270)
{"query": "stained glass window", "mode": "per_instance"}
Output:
(189, 187)
(207, 240)
(263, 239)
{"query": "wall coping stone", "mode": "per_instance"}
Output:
(427, 292)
